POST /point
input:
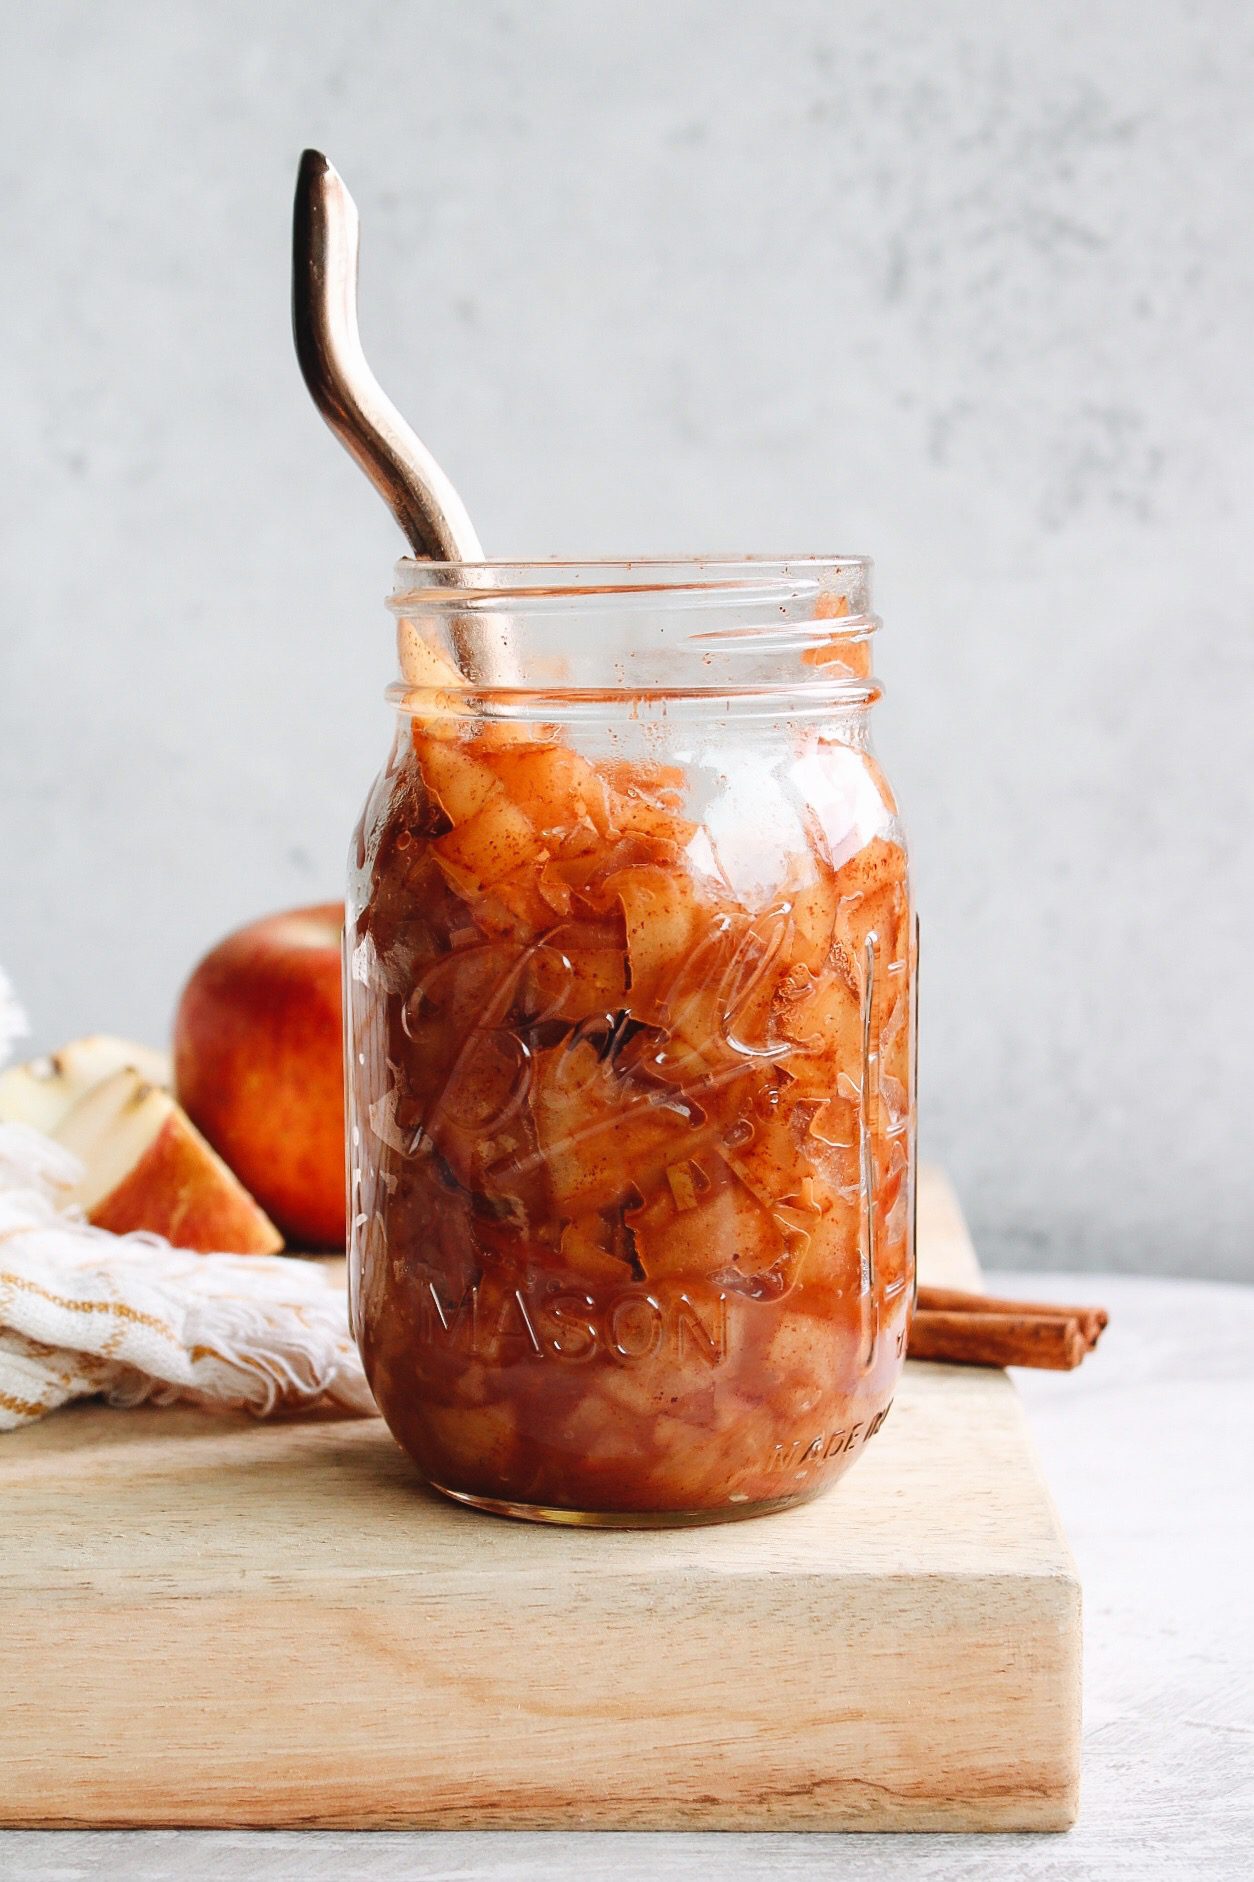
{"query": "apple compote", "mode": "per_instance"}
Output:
(630, 967)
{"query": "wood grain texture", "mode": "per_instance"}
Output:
(205, 1620)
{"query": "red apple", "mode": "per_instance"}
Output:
(259, 1066)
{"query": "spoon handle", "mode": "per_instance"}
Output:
(325, 234)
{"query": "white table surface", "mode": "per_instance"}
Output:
(1150, 1452)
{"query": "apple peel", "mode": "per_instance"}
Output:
(146, 1166)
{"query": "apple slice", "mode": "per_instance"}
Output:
(454, 775)
(146, 1166)
(496, 840)
(43, 1091)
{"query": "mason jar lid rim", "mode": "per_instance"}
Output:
(567, 577)
(753, 563)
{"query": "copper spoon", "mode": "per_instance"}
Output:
(325, 234)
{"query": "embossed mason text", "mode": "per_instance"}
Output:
(631, 1326)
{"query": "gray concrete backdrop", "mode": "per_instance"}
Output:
(967, 286)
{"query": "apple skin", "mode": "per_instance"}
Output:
(259, 1066)
(146, 1166)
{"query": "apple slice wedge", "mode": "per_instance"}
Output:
(44, 1091)
(146, 1166)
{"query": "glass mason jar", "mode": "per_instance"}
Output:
(630, 971)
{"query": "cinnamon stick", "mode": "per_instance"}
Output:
(1050, 1340)
(1092, 1320)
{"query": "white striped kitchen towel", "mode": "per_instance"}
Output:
(84, 1312)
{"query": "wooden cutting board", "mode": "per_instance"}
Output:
(211, 1621)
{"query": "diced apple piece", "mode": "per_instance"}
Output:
(553, 891)
(485, 1088)
(765, 1153)
(883, 912)
(589, 864)
(661, 784)
(725, 1231)
(474, 1110)
(471, 1445)
(739, 973)
(579, 859)
(691, 1010)
(834, 1141)
(879, 782)
(813, 913)
(719, 1029)
(587, 1249)
(496, 734)
(891, 1167)
(460, 782)
(494, 918)
(522, 894)
(664, 920)
(682, 1178)
(630, 812)
(43, 1091)
(826, 1027)
(695, 1047)
(600, 1135)
(424, 665)
(146, 1166)
(556, 788)
(598, 982)
(801, 1364)
(759, 972)
(696, 1470)
(894, 1043)
(493, 842)
(833, 1242)
(876, 863)
(579, 972)
(449, 995)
